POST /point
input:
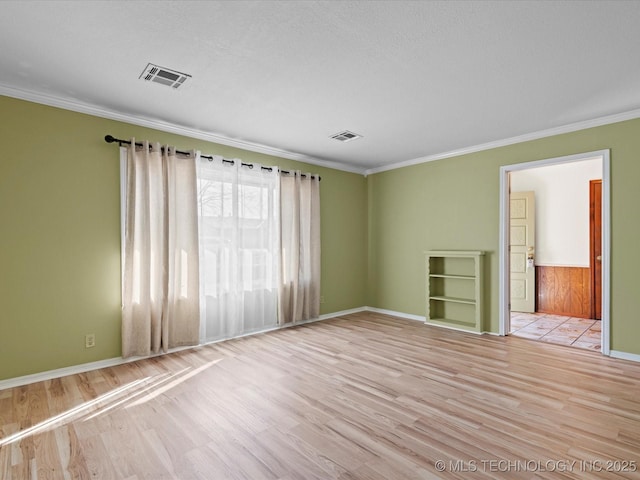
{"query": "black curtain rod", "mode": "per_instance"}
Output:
(112, 139)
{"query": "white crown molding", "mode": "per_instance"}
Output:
(96, 111)
(572, 127)
(89, 109)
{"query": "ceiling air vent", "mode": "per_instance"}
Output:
(165, 76)
(346, 136)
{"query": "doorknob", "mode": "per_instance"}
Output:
(599, 258)
(530, 257)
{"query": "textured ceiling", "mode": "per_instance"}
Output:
(416, 79)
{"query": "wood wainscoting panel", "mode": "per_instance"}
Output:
(564, 291)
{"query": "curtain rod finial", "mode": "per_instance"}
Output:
(109, 139)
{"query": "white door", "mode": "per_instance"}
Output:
(522, 251)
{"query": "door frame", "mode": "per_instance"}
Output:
(503, 256)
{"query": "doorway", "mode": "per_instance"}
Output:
(505, 256)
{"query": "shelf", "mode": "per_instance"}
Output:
(459, 277)
(443, 298)
(454, 289)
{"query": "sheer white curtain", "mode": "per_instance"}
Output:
(160, 294)
(239, 231)
(299, 293)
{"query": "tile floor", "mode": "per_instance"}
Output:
(577, 332)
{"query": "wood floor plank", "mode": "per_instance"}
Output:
(365, 396)
(5, 460)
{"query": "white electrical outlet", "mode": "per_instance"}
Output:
(90, 340)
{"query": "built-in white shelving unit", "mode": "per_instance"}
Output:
(454, 289)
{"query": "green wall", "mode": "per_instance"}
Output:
(60, 229)
(454, 204)
(60, 234)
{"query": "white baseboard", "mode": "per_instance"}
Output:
(112, 362)
(60, 372)
(327, 316)
(408, 316)
(422, 319)
(457, 329)
(83, 367)
(634, 357)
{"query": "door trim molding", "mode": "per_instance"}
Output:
(503, 256)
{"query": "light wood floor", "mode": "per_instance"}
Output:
(365, 396)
